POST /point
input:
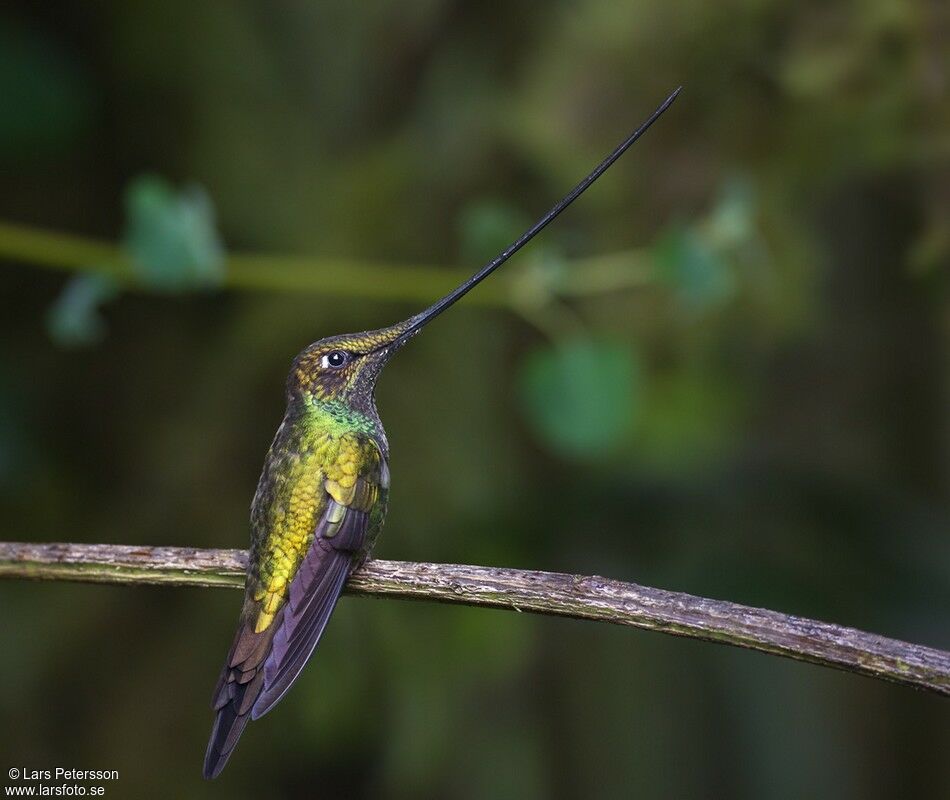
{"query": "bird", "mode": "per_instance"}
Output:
(322, 497)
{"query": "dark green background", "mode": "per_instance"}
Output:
(781, 438)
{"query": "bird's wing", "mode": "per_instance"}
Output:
(283, 620)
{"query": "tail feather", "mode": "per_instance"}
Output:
(262, 666)
(228, 727)
(239, 686)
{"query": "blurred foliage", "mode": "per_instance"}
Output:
(170, 241)
(75, 317)
(171, 236)
(748, 314)
(582, 396)
(699, 276)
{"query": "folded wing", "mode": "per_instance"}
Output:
(263, 664)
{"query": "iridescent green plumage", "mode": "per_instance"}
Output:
(317, 512)
(321, 500)
(317, 459)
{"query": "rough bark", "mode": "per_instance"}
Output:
(578, 596)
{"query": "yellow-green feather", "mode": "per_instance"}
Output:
(317, 456)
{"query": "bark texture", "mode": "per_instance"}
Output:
(578, 596)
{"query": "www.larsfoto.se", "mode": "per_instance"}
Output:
(59, 790)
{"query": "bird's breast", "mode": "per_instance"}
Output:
(307, 465)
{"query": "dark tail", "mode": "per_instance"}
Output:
(239, 686)
(228, 727)
(262, 666)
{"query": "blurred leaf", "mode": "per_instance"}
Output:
(540, 277)
(581, 396)
(171, 236)
(690, 264)
(731, 222)
(74, 319)
(548, 265)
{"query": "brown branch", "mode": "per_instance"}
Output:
(575, 596)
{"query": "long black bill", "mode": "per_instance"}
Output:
(424, 317)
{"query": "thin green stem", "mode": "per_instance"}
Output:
(330, 276)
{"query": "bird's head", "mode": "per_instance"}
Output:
(346, 368)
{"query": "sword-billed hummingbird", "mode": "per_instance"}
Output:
(321, 499)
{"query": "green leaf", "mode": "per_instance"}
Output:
(582, 396)
(690, 264)
(731, 222)
(171, 236)
(74, 319)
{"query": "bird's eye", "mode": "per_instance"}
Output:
(334, 359)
